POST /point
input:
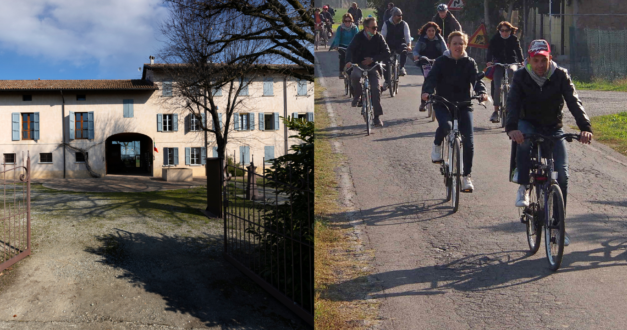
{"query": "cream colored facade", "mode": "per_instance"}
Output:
(109, 121)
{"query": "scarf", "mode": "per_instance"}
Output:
(540, 80)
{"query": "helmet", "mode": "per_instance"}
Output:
(325, 7)
(442, 7)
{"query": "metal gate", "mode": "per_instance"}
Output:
(268, 233)
(15, 214)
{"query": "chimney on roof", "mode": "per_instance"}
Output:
(152, 59)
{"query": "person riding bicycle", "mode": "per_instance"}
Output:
(536, 99)
(367, 48)
(319, 24)
(328, 19)
(397, 35)
(504, 48)
(431, 45)
(446, 21)
(453, 77)
(355, 11)
(343, 37)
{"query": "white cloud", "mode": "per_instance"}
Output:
(109, 32)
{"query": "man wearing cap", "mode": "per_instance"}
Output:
(535, 103)
(446, 21)
(396, 34)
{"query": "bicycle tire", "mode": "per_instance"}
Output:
(456, 175)
(533, 215)
(554, 229)
(504, 106)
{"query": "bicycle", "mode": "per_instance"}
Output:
(348, 89)
(366, 107)
(546, 201)
(426, 68)
(451, 165)
(504, 92)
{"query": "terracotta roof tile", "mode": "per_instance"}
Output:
(21, 85)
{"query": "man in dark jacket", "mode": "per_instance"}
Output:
(446, 21)
(535, 104)
(367, 48)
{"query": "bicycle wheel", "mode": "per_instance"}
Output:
(456, 183)
(504, 105)
(533, 218)
(554, 230)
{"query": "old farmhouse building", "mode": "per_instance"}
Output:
(125, 126)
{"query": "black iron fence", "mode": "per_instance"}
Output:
(268, 230)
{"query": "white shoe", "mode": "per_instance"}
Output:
(436, 154)
(467, 184)
(522, 197)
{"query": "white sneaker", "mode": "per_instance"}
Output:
(467, 184)
(436, 154)
(522, 197)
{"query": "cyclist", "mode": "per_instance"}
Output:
(431, 45)
(355, 11)
(343, 37)
(365, 49)
(328, 19)
(446, 21)
(535, 103)
(453, 77)
(504, 48)
(319, 22)
(388, 12)
(396, 34)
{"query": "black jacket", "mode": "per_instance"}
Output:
(449, 24)
(360, 48)
(543, 106)
(356, 13)
(505, 51)
(453, 79)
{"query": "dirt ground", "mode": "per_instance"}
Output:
(131, 261)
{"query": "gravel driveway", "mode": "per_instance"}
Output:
(131, 261)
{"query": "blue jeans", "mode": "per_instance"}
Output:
(445, 122)
(560, 155)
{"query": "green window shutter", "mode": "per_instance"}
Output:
(72, 125)
(175, 122)
(251, 121)
(302, 87)
(36, 126)
(236, 121)
(203, 156)
(90, 125)
(268, 153)
(176, 156)
(261, 122)
(268, 87)
(15, 126)
(310, 116)
(165, 156)
(159, 122)
(215, 152)
(187, 156)
(276, 121)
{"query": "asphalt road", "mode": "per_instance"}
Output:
(471, 269)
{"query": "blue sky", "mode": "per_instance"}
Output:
(78, 39)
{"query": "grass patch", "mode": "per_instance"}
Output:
(611, 130)
(339, 279)
(602, 85)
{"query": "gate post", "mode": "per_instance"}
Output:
(251, 187)
(214, 168)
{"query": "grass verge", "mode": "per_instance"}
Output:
(611, 130)
(602, 85)
(339, 279)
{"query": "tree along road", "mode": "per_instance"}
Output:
(471, 269)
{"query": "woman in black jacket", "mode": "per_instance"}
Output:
(504, 48)
(453, 76)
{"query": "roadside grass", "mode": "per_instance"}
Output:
(336, 306)
(611, 130)
(602, 85)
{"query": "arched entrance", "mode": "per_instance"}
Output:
(129, 153)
